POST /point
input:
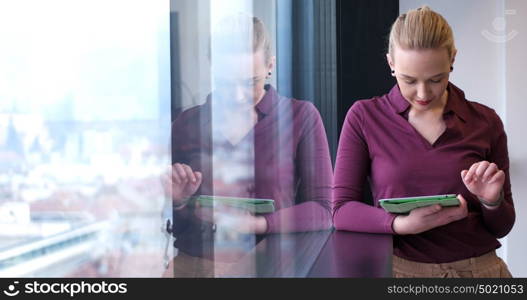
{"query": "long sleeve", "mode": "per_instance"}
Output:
(181, 217)
(352, 167)
(188, 134)
(379, 143)
(500, 221)
(312, 209)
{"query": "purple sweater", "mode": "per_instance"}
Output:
(291, 164)
(379, 144)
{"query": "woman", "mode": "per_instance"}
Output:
(425, 138)
(246, 141)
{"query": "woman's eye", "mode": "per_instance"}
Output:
(436, 81)
(410, 82)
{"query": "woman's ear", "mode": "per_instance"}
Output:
(271, 64)
(453, 57)
(390, 60)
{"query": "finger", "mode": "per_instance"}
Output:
(470, 176)
(463, 207)
(189, 173)
(174, 174)
(464, 176)
(456, 215)
(461, 213)
(199, 177)
(481, 169)
(180, 171)
(498, 177)
(462, 201)
(452, 214)
(489, 172)
(427, 210)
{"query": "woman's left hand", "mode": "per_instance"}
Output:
(484, 180)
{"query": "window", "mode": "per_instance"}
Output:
(84, 135)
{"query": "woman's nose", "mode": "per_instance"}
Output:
(423, 92)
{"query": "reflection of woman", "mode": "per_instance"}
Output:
(277, 147)
(425, 138)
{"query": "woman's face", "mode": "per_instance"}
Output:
(241, 78)
(422, 76)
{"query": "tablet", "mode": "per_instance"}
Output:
(405, 205)
(254, 205)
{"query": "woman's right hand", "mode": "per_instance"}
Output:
(425, 218)
(180, 183)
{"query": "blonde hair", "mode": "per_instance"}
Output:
(242, 33)
(421, 28)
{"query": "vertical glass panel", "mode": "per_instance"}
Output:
(252, 170)
(84, 137)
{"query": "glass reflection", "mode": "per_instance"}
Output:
(247, 162)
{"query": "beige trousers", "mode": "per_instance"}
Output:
(486, 266)
(186, 266)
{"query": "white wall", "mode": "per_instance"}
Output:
(516, 107)
(490, 67)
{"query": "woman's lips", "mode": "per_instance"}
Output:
(424, 102)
